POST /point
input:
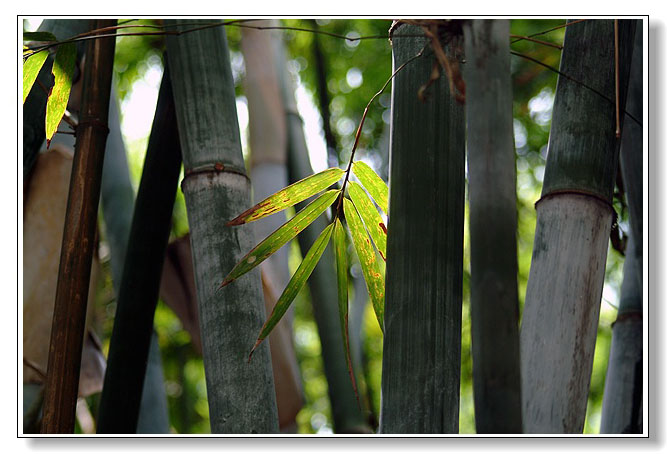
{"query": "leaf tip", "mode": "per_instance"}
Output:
(259, 341)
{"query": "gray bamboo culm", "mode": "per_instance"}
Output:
(622, 402)
(347, 416)
(241, 395)
(574, 218)
(422, 324)
(492, 197)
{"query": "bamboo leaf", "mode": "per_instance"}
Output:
(63, 72)
(281, 236)
(31, 67)
(295, 284)
(369, 266)
(371, 217)
(341, 269)
(290, 196)
(373, 183)
(39, 36)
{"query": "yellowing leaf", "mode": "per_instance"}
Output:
(373, 184)
(341, 270)
(281, 236)
(31, 67)
(63, 72)
(371, 217)
(367, 258)
(295, 284)
(290, 195)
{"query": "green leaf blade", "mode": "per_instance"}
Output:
(373, 184)
(282, 235)
(340, 251)
(31, 67)
(295, 284)
(369, 265)
(63, 72)
(371, 217)
(289, 196)
(39, 36)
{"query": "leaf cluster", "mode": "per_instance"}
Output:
(363, 220)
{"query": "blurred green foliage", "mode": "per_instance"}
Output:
(355, 72)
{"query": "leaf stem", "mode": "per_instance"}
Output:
(361, 124)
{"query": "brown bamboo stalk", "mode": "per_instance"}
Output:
(69, 316)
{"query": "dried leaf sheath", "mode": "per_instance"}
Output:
(368, 260)
(281, 236)
(289, 196)
(295, 284)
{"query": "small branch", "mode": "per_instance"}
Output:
(361, 124)
(550, 30)
(534, 60)
(528, 38)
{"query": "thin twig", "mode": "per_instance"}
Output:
(550, 30)
(544, 43)
(361, 124)
(534, 60)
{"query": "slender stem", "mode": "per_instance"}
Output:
(550, 30)
(534, 60)
(528, 38)
(361, 124)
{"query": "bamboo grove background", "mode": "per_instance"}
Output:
(338, 78)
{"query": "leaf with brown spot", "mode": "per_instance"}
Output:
(373, 184)
(289, 196)
(371, 217)
(295, 284)
(367, 259)
(63, 73)
(282, 235)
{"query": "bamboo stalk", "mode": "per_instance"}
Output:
(574, 220)
(347, 416)
(621, 405)
(241, 396)
(493, 259)
(267, 128)
(78, 240)
(139, 289)
(422, 325)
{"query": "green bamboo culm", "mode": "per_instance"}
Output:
(241, 396)
(494, 298)
(347, 416)
(124, 391)
(574, 218)
(422, 323)
(622, 402)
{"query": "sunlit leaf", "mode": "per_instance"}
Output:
(63, 72)
(39, 36)
(371, 217)
(281, 236)
(295, 284)
(367, 258)
(373, 184)
(289, 196)
(341, 270)
(31, 67)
